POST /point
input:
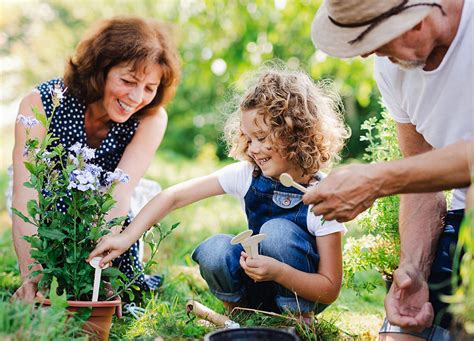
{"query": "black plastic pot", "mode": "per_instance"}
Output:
(252, 333)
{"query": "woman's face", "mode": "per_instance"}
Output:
(127, 90)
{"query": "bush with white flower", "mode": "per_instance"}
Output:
(69, 212)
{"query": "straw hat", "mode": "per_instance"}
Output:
(348, 28)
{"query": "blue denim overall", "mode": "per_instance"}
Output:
(278, 212)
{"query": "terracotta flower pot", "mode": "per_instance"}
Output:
(98, 324)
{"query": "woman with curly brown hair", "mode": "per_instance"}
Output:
(123, 73)
(285, 123)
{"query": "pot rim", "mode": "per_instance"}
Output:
(113, 303)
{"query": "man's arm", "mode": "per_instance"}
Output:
(420, 224)
(349, 190)
(420, 213)
(440, 169)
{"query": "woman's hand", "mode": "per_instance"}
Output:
(262, 268)
(110, 247)
(26, 292)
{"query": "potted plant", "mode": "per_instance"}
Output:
(379, 247)
(70, 216)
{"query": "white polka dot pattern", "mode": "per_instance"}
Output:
(69, 127)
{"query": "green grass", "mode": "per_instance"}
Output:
(351, 317)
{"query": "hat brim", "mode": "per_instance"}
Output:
(334, 40)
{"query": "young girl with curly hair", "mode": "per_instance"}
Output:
(285, 123)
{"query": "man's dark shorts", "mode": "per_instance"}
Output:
(440, 277)
(442, 268)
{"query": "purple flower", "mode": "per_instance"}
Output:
(75, 160)
(83, 180)
(118, 175)
(88, 153)
(57, 92)
(27, 121)
(85, 187)
(93, 169)
(75, 148)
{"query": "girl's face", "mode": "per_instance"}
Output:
(127, 91)
(268, 159)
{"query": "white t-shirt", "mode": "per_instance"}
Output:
(439, 103)
(236, 178)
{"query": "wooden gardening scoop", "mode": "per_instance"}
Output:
(248, 242)
(203, 312)
(288, 181)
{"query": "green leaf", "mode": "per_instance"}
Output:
(94, 234)
(22, 216)
(58, 302)
(40, 116)
(32, 207)
(112, 272)
(51, 234)
(30, 167)
(108, 204)
(28, 185)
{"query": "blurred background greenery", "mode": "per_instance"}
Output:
(218, 41)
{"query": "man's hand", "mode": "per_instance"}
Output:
(26, 292)
(407, 303)
(260, 269)
(345, 193)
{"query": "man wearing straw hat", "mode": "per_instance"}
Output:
(424, 70)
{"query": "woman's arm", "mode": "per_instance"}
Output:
(22, 194)
(170, 199)
(137, 157)
(323, 286)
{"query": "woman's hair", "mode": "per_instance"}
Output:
(304, 120)
(120, 40)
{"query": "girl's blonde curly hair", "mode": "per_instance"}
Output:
(305, 124)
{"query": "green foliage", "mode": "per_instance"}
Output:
(69, 211)
(216, 50)
(19, 321)
(379, 249)
(151, 240)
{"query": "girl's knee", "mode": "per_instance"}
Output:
(216, 253)
(280, 235)
(278, 229)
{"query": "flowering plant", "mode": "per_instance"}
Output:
(379, 248)
(73, 199)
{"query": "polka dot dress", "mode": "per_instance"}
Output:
(69, 127)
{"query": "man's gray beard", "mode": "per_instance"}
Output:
(409, 64)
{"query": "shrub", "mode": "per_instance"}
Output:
(379, 249)
(73, 199)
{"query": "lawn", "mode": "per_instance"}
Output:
(351, 317)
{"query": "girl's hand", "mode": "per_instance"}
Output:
(110, 247)
(262, 268)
